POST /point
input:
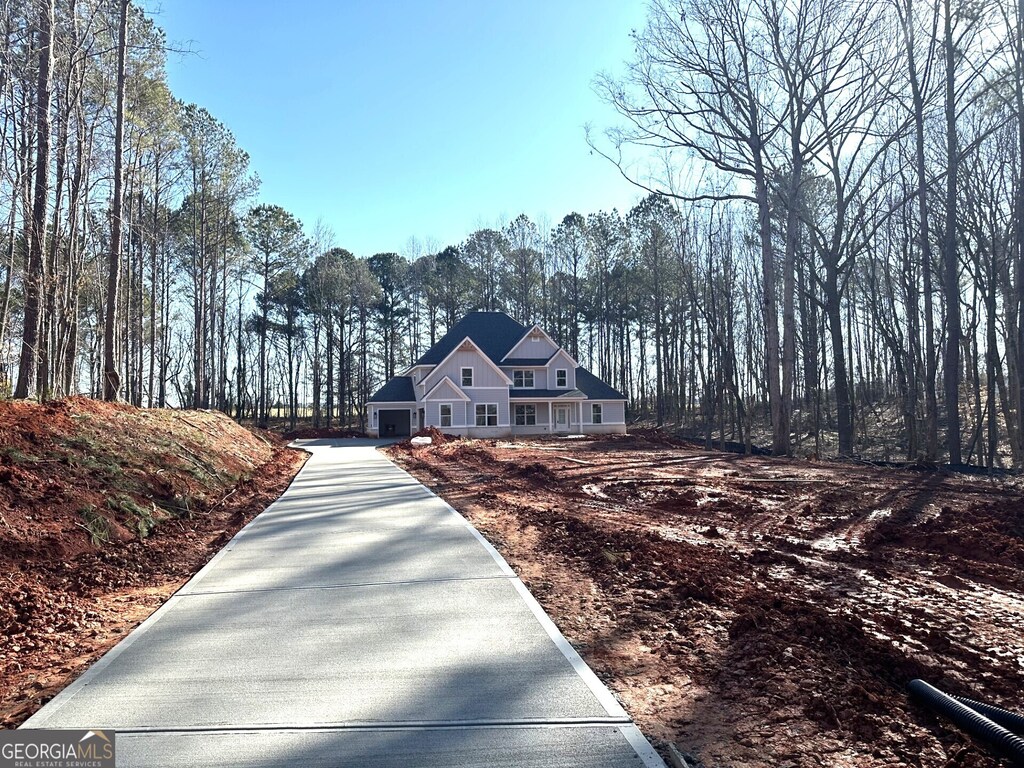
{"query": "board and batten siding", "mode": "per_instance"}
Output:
(540, 375)
(483, 374)
(499, 396)
(433, 412)
(562, 361)
(612, 412)
(539, 347)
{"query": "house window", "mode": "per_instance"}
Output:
(487, 415)
(526, 415)
(467, 377)
(522, 379)
(561, 378)
(446, 414)
(596, 412)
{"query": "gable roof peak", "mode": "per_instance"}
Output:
(495, 333)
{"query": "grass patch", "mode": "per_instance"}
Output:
(97, 526)
(17, 456)
(139, 517)
(180, 507)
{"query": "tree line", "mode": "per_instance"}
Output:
(875, 147)
(831, 260)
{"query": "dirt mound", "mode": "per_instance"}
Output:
(105, 510)
(536, 472)
(991, 532)
(437, 439)
(436, 436)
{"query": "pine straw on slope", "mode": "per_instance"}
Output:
(105, 510)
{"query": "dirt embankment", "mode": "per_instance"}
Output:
(105, 510)
(759, 611)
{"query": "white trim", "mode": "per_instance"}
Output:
(548, 399)
(462, 375)
(451, 415)
(524, 371)
(561, 351)
(497, 413)
(525, 336)
(564, 408)
(462, 395)
(515, 416)
(592, 413)
(480, 352)
(561, 386)
(408, 371)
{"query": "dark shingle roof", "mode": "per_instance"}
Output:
(546, 394)
(398, 390)
(526, 362)
(494, 332)
(594, 387)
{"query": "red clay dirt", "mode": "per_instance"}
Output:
(105, 511)
(760, 611)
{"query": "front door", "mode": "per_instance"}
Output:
(561, 418)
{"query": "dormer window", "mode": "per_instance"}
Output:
(467, 377)
(562, 378)
(522, 379)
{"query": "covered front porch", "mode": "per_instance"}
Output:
(545, 415)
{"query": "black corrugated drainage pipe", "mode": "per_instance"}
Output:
(975, 723)
(1011, 721)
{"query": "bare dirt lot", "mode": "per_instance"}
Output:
(105, 511)
(760, 611)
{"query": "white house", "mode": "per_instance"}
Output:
(491, 376)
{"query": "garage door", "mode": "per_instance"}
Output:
(393, 423)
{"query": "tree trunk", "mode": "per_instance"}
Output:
(844, 407)
(111, 377)
(1018, 216)
(924, 240)
(35, 279)
(950, 262)
(154, 238)
(780, 429)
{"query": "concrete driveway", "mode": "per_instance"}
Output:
(358, 621)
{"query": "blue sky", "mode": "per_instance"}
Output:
(397, 118)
